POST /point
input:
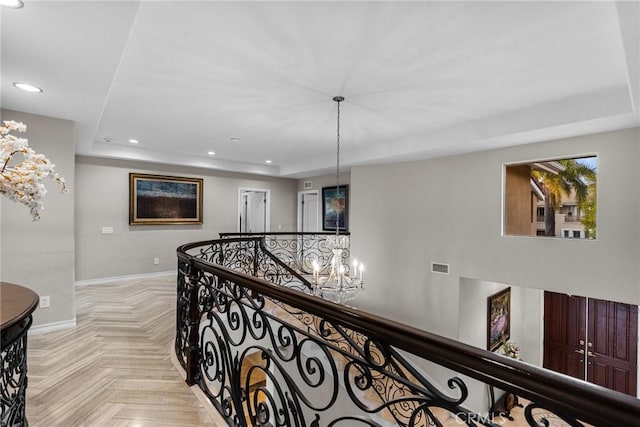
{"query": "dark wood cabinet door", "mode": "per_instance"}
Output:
(612, 351)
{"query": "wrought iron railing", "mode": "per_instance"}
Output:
(329, 364)
(298, 250)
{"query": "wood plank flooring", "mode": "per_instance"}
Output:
(114, 368)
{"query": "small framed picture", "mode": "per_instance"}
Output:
(158, 199)
(498, 319)
(334, 208)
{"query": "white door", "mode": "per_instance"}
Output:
(308, 211)
(253, 210)
(308, 222)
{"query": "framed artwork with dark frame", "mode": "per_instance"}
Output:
(159, 199)
(334, 208)
(498, 319)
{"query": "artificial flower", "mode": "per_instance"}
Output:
(22, 170)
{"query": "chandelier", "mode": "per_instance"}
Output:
(344, 282)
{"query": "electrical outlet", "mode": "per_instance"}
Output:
(45, 302)
(156, 261)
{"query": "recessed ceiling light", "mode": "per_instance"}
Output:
(133, 141)
(13, 4)
(267, 161)
(234, 139)
(27, 87)
(211, 153)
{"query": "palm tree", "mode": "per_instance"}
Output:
(576, 177)
(589, 218)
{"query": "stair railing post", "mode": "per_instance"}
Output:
(256, 250)
(193, 327)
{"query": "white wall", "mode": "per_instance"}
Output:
(40, 255)
(103, 200)
(449, 210)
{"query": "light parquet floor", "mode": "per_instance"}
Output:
(114, 368)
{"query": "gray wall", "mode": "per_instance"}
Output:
(103, 201)
(324, 181)
(449, 210)
(40, 255)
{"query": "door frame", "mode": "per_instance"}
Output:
(267, 214)
(299, 205)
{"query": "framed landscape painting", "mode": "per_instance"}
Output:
(498, 319)
(334, 208)
(158, 199)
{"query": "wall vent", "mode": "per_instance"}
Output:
(308, 185)
(440, 268)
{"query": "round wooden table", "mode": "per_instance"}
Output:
(16, 305)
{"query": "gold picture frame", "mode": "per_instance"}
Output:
(160, 199)
(498, 319)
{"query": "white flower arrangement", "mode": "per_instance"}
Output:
(22, 181)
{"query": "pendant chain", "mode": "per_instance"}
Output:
(338, 168)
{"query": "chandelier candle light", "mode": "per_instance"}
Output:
(21, 181)
(342, 284)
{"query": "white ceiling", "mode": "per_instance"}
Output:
(421, 79)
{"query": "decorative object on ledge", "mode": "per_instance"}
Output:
(342, 284)
(158, 199)
(498, 319)
(16, 305)
(511, 350)
(22, 181)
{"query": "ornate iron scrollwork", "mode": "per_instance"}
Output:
(13, 381)
(310, 371)
(182, 311)
(309, 363)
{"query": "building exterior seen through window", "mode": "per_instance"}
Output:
(551, 198)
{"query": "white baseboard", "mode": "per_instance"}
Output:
(50, 327)
(116, 279)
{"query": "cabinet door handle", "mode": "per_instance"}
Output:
(579, 351)
(590, 354)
